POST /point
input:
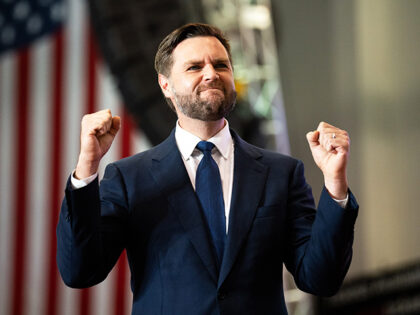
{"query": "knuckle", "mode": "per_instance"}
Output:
(86, 118)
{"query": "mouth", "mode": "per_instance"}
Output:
(211, 90)
(211, 87)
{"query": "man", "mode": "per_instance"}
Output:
(200, 243)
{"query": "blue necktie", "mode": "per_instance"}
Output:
(208, 187)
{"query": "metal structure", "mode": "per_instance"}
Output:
(249, 26)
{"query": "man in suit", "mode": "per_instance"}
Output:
(198, 243)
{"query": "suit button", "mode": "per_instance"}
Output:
(221, 295)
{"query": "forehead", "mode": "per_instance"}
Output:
(199, 49)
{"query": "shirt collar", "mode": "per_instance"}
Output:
(187, 141)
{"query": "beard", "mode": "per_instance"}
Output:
(212, 108)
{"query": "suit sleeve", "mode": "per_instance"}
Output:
(320, 242)
(90, 230)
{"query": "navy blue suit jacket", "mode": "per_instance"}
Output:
(147, 205)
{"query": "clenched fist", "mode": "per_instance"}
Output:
(98, 130)
(330, 148)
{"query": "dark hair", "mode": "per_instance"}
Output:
(163, 58)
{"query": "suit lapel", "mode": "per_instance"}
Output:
(248, 183)
(170, 174)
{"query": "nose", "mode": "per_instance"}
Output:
(209, 73)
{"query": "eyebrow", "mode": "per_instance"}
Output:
(199, 62)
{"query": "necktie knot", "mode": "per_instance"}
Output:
(205, 146)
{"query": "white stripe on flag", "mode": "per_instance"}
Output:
(38, 179)
(74, 78)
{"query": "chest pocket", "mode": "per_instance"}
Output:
(270, 211)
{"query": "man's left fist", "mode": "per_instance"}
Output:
(330, 148)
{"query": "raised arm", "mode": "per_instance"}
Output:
(90, 237)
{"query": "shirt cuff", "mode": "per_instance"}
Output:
(342, 202)
(80, 183)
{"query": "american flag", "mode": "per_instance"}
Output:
(50, 75)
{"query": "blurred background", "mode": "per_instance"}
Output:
(354, 64)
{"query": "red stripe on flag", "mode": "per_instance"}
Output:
(92, 65)
(121, 268)
(126, 132)
(22, 97)
(90, 107)
(120, 285)
(56, 161)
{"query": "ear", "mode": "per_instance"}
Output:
(164, 85)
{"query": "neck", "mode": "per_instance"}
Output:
(202, 129)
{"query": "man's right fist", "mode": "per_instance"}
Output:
(98, 130)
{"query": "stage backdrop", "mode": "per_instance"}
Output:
(45, 89)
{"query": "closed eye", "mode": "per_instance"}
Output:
(194, 67)
(221, 66)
